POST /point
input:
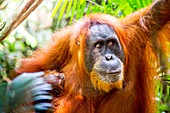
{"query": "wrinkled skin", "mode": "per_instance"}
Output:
(104, 53)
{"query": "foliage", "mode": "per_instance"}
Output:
(14, 47)
(22, 41)
(163, 93)
(75, 9)
(31, 34)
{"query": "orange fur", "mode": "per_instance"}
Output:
(103, 86)
(65, 55)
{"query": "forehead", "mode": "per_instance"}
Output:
(101, 30)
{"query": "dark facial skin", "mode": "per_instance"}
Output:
(104, 53)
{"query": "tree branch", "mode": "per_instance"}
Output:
(17, 17)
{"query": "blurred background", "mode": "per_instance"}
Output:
(51, 15)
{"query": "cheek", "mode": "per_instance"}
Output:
(90, 59)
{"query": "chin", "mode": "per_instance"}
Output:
(107, 82)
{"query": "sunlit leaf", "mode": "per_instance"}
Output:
(62, 11)
(82, 9)
(73, 11)
(56, 7)
(78, 9)
(69, 8)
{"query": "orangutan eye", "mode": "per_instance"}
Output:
(111, 42)
(99, 44)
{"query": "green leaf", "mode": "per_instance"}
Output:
(62, 11)
(121, 9)
(165, 107)
(82, 9)
(145, 3)
(141, 3)
(128, 10)
(103, 2)
(89, 8)
(167, 93)
(78, 9)
(56, 7)
(73, 11)
(131, 5)
(135, 3)
(69, 8)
